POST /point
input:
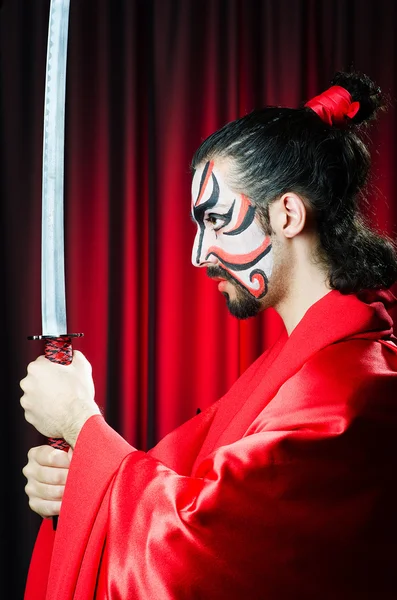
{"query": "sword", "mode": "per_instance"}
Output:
(58, 343)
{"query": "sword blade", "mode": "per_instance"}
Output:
(53, 298)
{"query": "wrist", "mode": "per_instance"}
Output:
(77, 422)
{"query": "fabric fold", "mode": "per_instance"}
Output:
(290, 473)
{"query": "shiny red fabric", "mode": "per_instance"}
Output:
(284, 488)
(334, 105)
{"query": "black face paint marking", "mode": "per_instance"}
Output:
(199, 211)
(265, 281)
(213, 272)
(237, 267)
(249, 217)
(225, 217)
(203, 178)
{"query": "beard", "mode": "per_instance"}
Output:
(244, 305)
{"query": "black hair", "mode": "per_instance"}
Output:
(276, 150)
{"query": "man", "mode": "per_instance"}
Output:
(284, 488)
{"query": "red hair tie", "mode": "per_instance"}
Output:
(334, 105)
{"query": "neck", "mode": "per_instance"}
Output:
(308, 284)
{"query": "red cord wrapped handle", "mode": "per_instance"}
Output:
(59, 350)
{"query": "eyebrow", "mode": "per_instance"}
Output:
(223, 206)
(218, 205)
(215, 213)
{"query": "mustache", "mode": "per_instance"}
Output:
(214, 272)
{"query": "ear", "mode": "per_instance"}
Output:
(289, 216)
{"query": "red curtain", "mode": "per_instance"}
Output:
(147, 81)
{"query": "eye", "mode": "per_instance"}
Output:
(217, 221)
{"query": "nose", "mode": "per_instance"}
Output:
(209, 262)
(200, 251)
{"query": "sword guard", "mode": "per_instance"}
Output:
(54, 337)
(58, 348)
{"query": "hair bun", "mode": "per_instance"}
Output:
(363, 90)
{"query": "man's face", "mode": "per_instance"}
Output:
(230, 241)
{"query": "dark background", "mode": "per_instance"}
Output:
(147, 81)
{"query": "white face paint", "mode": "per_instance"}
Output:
(228, 235)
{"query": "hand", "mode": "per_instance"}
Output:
(58, 399)
(46, 471)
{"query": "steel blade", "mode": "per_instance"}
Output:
(53, 299)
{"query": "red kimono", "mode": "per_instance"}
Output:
(284, 489)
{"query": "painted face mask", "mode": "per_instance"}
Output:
(228, 231)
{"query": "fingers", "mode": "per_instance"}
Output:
(31, 370)
(46, 473)
(44, 502)
(44, 492)
(47, 456)
(47, 466)
(23, 384)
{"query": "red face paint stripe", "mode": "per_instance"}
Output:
(243, 211)
(262, 285)
(239, 259)
(256, 277)
(210, 167)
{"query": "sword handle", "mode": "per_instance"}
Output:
(59, 350)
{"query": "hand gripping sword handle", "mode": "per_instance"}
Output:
(59, 350)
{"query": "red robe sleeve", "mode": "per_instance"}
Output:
(50, 574)
(310, 493)
(290, 494)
